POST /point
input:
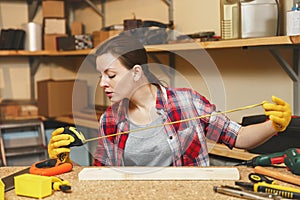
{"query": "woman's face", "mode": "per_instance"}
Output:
(115, 78)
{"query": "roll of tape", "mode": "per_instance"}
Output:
(33, 38)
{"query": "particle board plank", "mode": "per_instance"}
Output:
(159, 173)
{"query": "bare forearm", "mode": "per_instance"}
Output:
(254, 135)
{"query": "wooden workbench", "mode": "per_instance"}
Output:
(136, 189)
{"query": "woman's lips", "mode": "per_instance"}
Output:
(109, 94)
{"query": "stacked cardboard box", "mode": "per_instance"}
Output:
(54, 22)
(61, 97)
(14, 109)
(101, 36)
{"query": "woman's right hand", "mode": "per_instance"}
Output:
(58, 143)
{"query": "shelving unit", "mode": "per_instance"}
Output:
(33, 6)
(251, 42)
(34, 61)
(272, 43)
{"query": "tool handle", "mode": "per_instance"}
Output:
(277, 175)
(283, 191)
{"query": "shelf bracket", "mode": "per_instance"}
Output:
(293, 73)
(101, 12)
(169, 73)
(34, 63)
(33, 6)
(171, 11)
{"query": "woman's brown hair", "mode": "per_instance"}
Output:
(130, 52)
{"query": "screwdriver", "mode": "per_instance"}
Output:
(283, 191)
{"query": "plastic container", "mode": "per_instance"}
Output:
(31, 185)
(259, 18)
(230, 19)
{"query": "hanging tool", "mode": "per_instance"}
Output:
(290, 157)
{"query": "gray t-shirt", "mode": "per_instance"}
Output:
(148, 147)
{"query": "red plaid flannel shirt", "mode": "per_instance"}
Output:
(187, 140)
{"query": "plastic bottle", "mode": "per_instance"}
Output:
(230, 19)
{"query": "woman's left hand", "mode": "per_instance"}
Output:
(279, 112)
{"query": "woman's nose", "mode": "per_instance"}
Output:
(103, 83)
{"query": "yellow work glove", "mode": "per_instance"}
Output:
(61, 141)
(279, 112)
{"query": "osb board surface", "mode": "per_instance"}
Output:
(135, 189)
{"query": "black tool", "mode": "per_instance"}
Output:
(256, 178)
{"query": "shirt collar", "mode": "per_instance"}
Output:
(121, 108)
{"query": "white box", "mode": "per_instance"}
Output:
(293, 23)
(55, 26)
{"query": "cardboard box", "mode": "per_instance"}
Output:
(76, 28)
(101, 36)
(65, 43)
(50, 41)
(28, 110)
(55, 26)
(53, 9)
(61, 97)
(10, 111)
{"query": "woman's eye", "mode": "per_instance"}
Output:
(112, 76)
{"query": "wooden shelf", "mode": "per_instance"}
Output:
(45, 53)
(264, 41)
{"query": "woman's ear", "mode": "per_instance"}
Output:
(137, 72)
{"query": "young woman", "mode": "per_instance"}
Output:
(140, 100)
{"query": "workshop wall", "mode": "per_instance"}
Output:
(249, 76)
